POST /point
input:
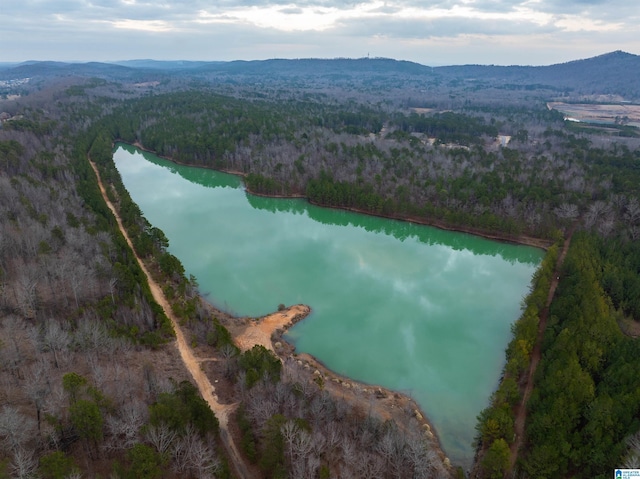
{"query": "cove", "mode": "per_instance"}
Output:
(409, 307)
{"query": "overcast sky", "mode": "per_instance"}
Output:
(431, 32)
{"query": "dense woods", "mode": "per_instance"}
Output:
(586, 404)
(82, 368)
(294, 428)
(451, 168)
(90, 384)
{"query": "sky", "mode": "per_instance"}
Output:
(430, 32)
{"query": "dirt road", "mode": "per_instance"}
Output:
(222, 411)
(521, 410)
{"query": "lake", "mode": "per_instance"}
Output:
(409, 307)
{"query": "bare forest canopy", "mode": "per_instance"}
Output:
(446, 167)
(616, 75)
(88, 384)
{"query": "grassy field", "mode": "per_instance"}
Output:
(621, 114)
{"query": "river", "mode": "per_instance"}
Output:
(409, 307)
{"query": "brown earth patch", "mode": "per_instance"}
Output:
(598, 112)
(260, 331)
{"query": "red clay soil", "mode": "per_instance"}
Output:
(521, 409)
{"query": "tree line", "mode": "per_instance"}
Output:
(447, 167)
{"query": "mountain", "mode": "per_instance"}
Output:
(612, 73)
(315, 66)
(163, 64)
(34, 69)
(615, 73)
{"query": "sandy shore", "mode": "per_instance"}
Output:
(260, 331)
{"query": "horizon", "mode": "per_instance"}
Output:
(120, 62)
(443, 32)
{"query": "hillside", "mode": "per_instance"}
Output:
(616, 73)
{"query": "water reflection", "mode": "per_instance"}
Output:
(198, 176)
(406, 306)
(400, 230)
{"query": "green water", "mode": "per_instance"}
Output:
(409, 307)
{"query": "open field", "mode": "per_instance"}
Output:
(623, 114)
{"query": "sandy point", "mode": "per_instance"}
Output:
(260, 330)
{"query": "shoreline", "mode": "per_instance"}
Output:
(388, 404)
(523, 240)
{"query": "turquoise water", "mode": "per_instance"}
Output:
(409, 307)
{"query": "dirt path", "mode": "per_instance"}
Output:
(222, 411)
(521, 409)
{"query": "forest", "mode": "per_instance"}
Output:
(444, 168)
(92, 387)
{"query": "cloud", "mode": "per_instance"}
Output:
(426, 28)
(596, 10)
(291, 10)
(466, 30)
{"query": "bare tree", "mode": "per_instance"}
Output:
(348, 448)
(160, 436)
(634, 232)
(26, 293)
(422, 459)
(125, 427)
(301, 450)
(112, 288)
(24, 464)
(391, 448)
(150, 381)
(371, 466)
(203, 460)
(632, 211)
(228, 353)
(605, 226)
(78, 279)
(596, 211)
(56, 340)
(38, 386)
(333, 436)
(11, 354)
(92, 335)
(190, 453)
(15, 429)
(567, 211)
(632, 459)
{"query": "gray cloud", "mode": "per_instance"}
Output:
(151, 10)
(442, 27)
(84, 29)
(622, 10)
(291, 11)
(497, 6)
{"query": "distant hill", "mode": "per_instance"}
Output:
(163, 64)
(616, 73)
(316, 66)
(34, 69)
